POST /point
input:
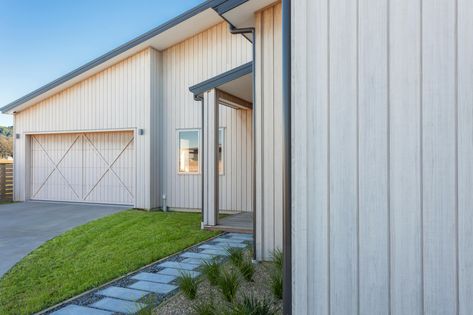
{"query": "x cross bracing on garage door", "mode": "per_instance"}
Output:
(85, 172)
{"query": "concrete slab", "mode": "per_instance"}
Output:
(26, 225)
(119, 306)
(122, 293)
(154, 287)
(80, 310)
(215, 252)
(153, 277)
(230, 240)
(177, 265)
(195, 261)
(196, 255)
(230, 244)
(177, 273)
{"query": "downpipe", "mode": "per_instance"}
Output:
(247, 30)
(201, 99)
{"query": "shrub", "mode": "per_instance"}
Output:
(229, 284)
(188, 285)
(236, 256)
(205, 308)
(211, 269)
(247, 269)
(252, 306)
(278, 259)
(276, 279)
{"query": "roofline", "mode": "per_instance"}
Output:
(113, 53)
(222, 78)
(228, 5)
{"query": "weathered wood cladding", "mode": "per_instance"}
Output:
(194, 60)
(268, 111)
(382, 156)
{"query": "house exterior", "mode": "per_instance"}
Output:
(342, 128)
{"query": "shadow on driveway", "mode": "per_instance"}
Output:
(26, 225)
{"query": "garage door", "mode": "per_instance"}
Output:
(83, 167)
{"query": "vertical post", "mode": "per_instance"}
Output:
(211, 149)
(287, 219)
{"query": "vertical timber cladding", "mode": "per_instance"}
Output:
(269, 136)
(83, 167)
(382, 160)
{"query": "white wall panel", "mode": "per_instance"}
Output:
(194, 60)
(391, 120)
(116, 98)
(268, 111)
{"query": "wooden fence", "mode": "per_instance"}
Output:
(6, 181)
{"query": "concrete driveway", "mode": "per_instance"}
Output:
(26, 225)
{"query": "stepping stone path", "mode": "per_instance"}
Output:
(153, 284)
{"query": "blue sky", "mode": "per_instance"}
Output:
(42, 40)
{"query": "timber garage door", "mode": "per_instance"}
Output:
(83, 167)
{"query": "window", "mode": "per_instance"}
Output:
(221, 136)
(188, 142)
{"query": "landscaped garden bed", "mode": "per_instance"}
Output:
(236, 289)
(93, 254)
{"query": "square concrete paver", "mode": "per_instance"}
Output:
(80, 310)
(215, 252)
(196, 255)
(122, 293)
(177, 273)
(119, 306)
(225, 244)
(194, 261)
(229, 240)
(154, 277)
(154, 287)
(177, 265)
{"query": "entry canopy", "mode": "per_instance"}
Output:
(236, 82)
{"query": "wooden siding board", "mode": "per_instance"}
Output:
(405, 158)
(373, 161)
(439, 157)
(268, 136)
(344, 157)
(300, 241)
(465, 155)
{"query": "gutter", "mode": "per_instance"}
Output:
(287, 211)
(234, 30)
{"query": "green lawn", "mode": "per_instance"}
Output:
(93, 254)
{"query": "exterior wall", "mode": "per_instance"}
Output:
(235, 184)
(156, 165)
(194, 60)
(268, 111)
(382, 157)
(116, 98)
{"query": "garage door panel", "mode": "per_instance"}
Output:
(87, 167)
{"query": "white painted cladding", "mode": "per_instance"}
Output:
(382, 156)
(268, 111)
(192, 61)
(83, 167)
(114, 99)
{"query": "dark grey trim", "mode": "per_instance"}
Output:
(287, 212)
(251, 30)
(228, 5)
(220, 79)
(202, 168)
(115, 52)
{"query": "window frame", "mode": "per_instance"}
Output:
(178, 145)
